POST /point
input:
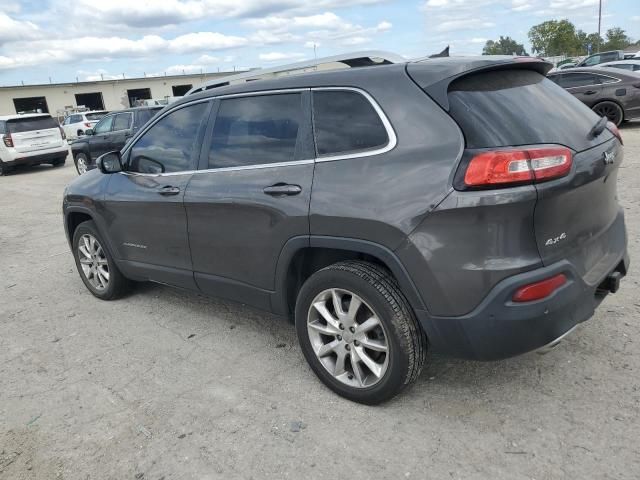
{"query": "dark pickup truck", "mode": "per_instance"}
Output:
(111, 133)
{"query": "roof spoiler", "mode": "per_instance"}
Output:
(353, 60)
(435, 75)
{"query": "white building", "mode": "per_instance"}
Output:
(100, 95)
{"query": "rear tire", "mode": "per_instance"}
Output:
(4, 169)
(611, 110)
(58, 163)
(364, 363)
(95, 264)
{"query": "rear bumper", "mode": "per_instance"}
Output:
(499, 328)
(48, 157)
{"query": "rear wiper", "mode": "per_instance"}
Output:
(598, 128)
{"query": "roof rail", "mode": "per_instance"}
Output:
(355, 59)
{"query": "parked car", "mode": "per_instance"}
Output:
(31, 139)
(76, 124)
(631, 65)
(390, 209)
(111, 133)
(613, 93)
(601, 57)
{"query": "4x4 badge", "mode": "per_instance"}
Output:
(609, 158)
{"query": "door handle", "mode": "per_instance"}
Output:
(590, 92)
(282, 189)
(169, 190)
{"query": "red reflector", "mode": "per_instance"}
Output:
(518, 166)
(539, 290)
(616, 132)
(8, 141)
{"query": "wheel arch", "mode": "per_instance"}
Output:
(302, 256)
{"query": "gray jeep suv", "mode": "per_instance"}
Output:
(462, 205)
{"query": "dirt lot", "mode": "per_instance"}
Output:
(170, 385)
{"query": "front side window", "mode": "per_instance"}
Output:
(346, 122)
(256, 130)
(169, 145)
(104, 125)
(593, 60)
(122, 122)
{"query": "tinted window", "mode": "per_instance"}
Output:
(95, 116)
(2, 127)
(104, 125)
(256, 130)
(609, 57)
(571, 80)
(344, 122)
(28, 124)
(122, 121)
(603, 79)
(168, 146)
(144, 115)
(592, 60)
(519, 107)
(76, 119)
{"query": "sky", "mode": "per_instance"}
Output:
(69, 40)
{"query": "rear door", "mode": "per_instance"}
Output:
(252, 195)
(584, 86)
(576, 217)
(31, 134)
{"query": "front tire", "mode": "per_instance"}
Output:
(82, 163)
(95, 264)
(611, 110)
(358, 332)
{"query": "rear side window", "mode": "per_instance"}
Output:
(122, 121)
(346, 122)
(256, 130)
(18, 125)
(145, 115)
(92, 117)
(169, 145)
(519, 107)
(571, 80)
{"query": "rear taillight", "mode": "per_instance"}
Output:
(87, 124)
(616, 132)
(64, 136)
(539, 290)
(515, 167)
(8, 141)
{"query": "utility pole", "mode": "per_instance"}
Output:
(599, 24)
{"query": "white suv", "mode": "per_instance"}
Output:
(76, 124)
(31, 140)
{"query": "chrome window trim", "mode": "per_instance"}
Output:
(391, 143)
(617, 80)
(391, 134)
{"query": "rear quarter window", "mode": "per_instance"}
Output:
(346, 122)
(519, 107)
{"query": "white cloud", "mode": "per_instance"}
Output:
(355, 41)
(12, 30)
(479, 40)
(463, 24)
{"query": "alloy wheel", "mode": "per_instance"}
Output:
(348, 338)
(93, 261)
(81, 163)
(611, 111)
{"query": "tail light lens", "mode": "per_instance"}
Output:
(516, 167)
(539, 290)
(87, 124)
(8, 141)
(616, 132)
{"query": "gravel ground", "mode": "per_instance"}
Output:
(171, 385)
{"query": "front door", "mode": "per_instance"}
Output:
(254, 194)
(145, 211)
(100, 141)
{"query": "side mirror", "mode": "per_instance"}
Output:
(89, 131)
(110, 162)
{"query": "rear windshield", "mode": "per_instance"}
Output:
(18, 125)
(519, 107)
(95, 116)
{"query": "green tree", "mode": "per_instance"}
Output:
(553, 37)
(503, 46)
(616, 39)
(583, 41)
